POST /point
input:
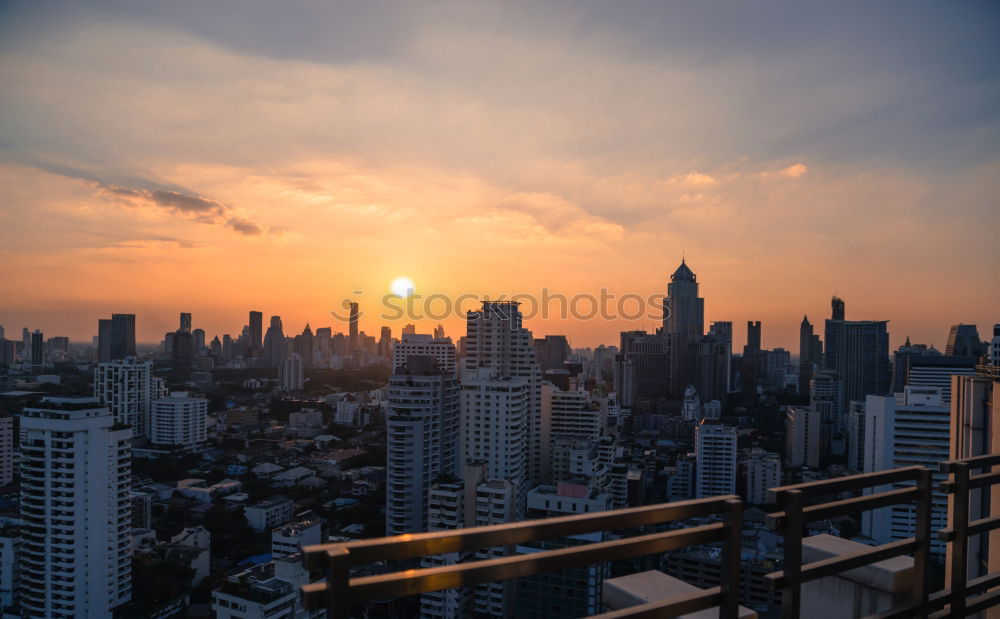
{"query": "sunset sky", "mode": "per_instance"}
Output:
(217, 157)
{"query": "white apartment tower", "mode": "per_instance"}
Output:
(179, 420)
(441, 349)
(763, 472)
(127, 388)
(422, 418)
(495, 339)
(290, 373)
(910, 428)
(495, 427)
(75, 478)
(802, 432)
(715, 457)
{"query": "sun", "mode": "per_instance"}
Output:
(402, 287)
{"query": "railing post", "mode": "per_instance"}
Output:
(960, 542)
(729, 607)
(922, 535)
(791, 593)
(338, 576)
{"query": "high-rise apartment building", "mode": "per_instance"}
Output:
(6, 449)
(104, 340)
(442, 350)
(715, 459)
(963, 341)
(353, 329)
(810, 354)
(178, 420)
(642, 368)
(128, 388)
(75, 481)
(937, 370)
(802, 436)
(495, 339)
(907, 429)
(763, 470)
(423, 425)
(290, 373)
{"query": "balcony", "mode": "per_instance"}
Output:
(819, 576)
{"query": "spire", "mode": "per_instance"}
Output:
(683, 272)
(907, 344)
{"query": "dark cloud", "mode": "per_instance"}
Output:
(181, 202)
(244, 227)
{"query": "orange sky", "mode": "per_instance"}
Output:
(154, 167)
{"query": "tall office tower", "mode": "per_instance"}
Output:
(227, 348)
(438, 332)
(122, 336)
(290, 373)
(856, 437)
(907, 429)
(422, 419)
(75, 480)
(185, 322)
(385, 342)
(37, 349)
(837, 308)
(304, 345)
(178, 420)
(198, 341)
(216, 347)
(858, 351)
(274, 343)
(127, 388)
(937, 370)
(103, 340)
(753, 337)
(963, 341)
(802, 434)
(552, 351)
(256, 343)
(353, 328)
(8, 352)
(495, 339)
(6, 449)
(496, 427)
(809, 354)
(182, 350)
(683, 324)
(763, 472)
(709, 361)
(324, 343)
(975, 431)
(715, 457)
(26, 344)
(642, 368)
(721, 331)
(419, 344)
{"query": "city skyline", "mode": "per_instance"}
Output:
(789, 152)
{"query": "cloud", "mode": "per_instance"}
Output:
(698, 178)
(795, 170)
(196, 208)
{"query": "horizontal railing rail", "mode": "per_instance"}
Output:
(341, 592)
(796, 515)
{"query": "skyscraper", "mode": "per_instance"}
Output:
(642, 368)
(810, 354)
(683, 325)
(185, 322)
(178, 420)
(753, 337)
(256, 334)
(290, 373)
(858, 351)
(37, 349)
(274, 343)
(418, 344)
(122, 336)
(353, 329)
(104, 340)
(963, 341)
(837, 308)
(422, 419)
(802, 436)
(495, 339)
(75, 481)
